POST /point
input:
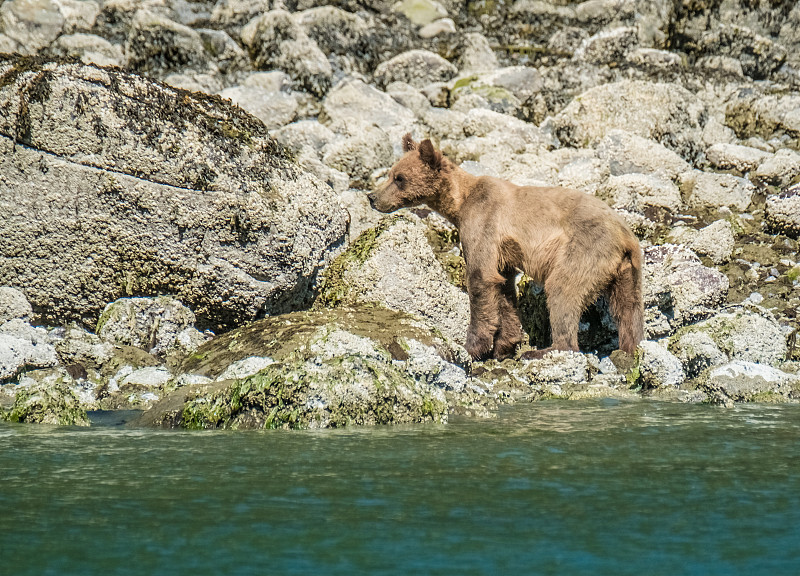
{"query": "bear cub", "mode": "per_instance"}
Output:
(572, 243)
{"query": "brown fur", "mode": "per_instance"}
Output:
(571, 242)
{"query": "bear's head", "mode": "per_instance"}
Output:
(415, 179)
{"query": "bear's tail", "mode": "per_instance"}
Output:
(626, 301)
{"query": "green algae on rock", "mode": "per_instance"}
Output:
(47, 403)
(343, 391)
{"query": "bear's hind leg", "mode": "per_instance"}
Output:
(568, 295)
(625, 300)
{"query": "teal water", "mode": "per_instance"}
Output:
(547, 488)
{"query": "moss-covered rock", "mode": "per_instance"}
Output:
(306, 393)
(48, 402)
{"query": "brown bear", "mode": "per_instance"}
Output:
(572, 243)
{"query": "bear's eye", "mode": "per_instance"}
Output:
(400, 179)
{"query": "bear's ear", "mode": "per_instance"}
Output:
(430, 156)
(408, 143)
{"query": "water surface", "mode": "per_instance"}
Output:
(547, 488)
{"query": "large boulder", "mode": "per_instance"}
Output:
(114, 186)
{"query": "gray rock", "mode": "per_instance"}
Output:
(715, 240)
(154, 377)
(608, 46)
(440, 27)
(743, 159)
(697, 351)
(274, 109)
(759, 56)
(628, 153)
(89, 48)
(24, 347)
(724, 65)
(747, 333)
(741, 381)
(667, 113)
(420, 12)
(233, 14)
(678, 289)
(77, 347)
(657, 367)
(351, 366)
(276, 40)
(13, 304)
(345, 38)
(155, 325)
(750, 112)
(502, 90)
(394, 265)
(476, 55)
(566, 40)
(158, 191)
(33, 25)
(362, 216)
(585, 174)
(245, 367)
(410, 97)
(351, 104)
(426, 364)
(710, 190)
(558, 368)
(416, 67)
(304, 134)
(361, 155)
(444, 124)
(338, 181)
(228, 56)
(195, 82)
(641, 193)
(780, 169)
(650, 58)
(157, 46)
(782, 212)
(789, 35)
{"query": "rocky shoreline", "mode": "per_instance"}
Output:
(186, 231)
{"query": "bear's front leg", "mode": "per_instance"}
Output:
(484, 310)
(509, 333)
